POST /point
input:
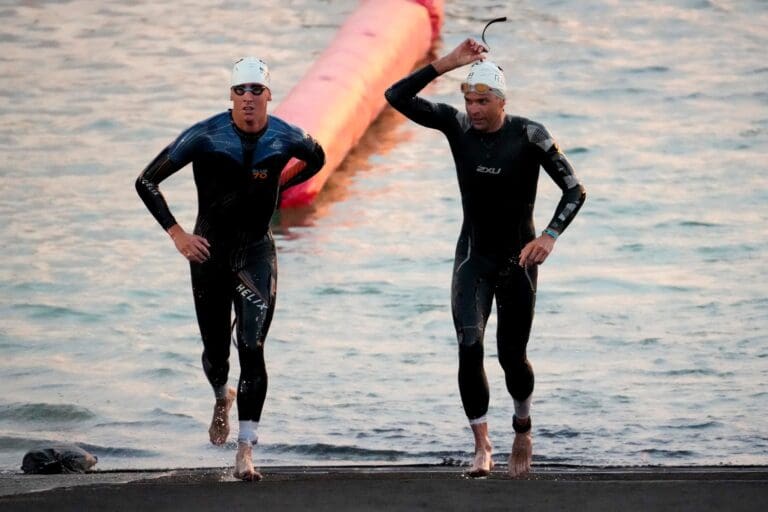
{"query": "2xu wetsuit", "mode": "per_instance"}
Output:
(237, 177)
(498, 174)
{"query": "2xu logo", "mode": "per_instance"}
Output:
(488, 170)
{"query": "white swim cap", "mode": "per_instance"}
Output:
(250, 70)
(486, 73)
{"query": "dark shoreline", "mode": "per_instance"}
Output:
(395, 488)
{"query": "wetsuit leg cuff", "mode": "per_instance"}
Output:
(522, 408)
(221, 392)
(478, 421)
(521, 426)
(247, 432)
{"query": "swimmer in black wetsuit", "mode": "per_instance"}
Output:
(497, 160)
(237, 158)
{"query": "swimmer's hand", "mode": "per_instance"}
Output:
(536, 251)
(193, 247)
(467, 52)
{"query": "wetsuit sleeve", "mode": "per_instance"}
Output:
(403, 97)
(174, 157)
(310, 151)
(560, 170)
(147, 185)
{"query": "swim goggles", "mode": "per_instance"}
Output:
(257, 90)
(478, 88)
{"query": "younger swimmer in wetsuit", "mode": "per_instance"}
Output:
(497, 159)
(237, 158)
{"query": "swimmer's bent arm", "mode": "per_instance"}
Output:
(193, 247)
(403, 94)
(147, 186)
(311, 152)
(402, 97)
(573, 194)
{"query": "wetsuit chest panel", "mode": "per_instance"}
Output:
(497, 175)
(496, 167)
(218, 174)
(490, 159)
(237, 175)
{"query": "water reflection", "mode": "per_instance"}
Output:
(380, 138)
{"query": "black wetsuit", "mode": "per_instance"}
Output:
(237, 177)
(498, 174)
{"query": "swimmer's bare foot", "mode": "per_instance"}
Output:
(219, 430)
(244, 469)
(521, 455)
(482, 464)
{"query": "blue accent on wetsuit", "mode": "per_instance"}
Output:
(237, 175)
(498, 174)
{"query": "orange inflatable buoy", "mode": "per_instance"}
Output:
(343, 91)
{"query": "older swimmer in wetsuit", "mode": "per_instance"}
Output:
(497, 158)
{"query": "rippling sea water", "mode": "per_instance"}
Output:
(649, 344)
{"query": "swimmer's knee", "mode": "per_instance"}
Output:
(469, 337)
(520, 380)
(513, 356)
(250, 347)
(215, 358)
(516, 366)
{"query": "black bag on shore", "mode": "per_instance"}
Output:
(60, 458)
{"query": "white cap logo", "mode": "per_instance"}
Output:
(487, 73)
(250, 70)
